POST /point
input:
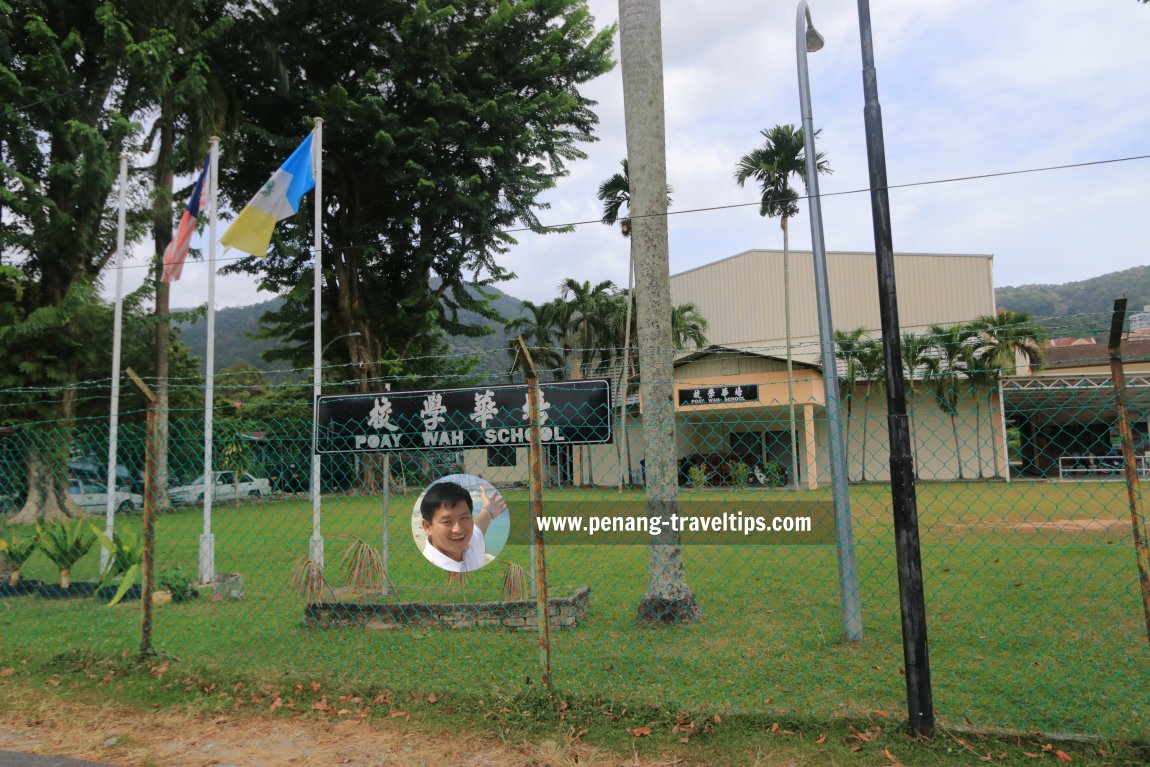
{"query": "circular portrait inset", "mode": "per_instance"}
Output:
(460, 523)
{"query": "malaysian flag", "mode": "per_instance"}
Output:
(177, 249)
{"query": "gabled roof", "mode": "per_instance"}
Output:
(734, 352)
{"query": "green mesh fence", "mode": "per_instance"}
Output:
(1033, 603)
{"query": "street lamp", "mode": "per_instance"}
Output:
(808, 39)
(315, 547)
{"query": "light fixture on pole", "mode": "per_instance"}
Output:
(808, 39)
(315, 547)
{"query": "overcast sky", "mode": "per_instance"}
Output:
(967, 88)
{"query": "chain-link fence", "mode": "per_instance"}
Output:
(1034, 609)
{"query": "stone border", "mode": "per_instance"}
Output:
(520, 615)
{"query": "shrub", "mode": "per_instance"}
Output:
(65, 543)
(15, 552)
(177, 583)
(698, 476)
(739, 472)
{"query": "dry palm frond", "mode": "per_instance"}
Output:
(307, 578)
(363, 566)
(514, 583)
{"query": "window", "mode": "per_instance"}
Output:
(501, 456)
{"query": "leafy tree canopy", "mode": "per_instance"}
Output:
(443, 123)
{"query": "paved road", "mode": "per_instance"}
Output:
(16, 759)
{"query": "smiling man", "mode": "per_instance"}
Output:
(454, 532)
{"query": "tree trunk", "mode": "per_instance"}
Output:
(162, 235)
(978, 435)
(866, 407)
(790, 366)
(668, 599)
(957, 447)
(47, 499)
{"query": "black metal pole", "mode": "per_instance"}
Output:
(912, 603)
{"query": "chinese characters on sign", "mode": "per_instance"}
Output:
(719, 395)
(571, 412)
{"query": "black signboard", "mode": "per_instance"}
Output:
(719, 395)
(571, 412)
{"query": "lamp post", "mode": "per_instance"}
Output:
(912, 602)
(315, 545)
(808, 39)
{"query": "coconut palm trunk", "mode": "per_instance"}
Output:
(668, 598)
(790, 361)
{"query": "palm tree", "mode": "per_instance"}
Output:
(772, 165)
(668, 598)
(688, 325)
(1000, 340)
(873, 371)
(915, 349)
(615, 193)
(537, 327)
(846, 350)
(944, 367)
(587, 305)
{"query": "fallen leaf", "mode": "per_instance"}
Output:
(684, 740)
(315, 686)
(856, 748)
(894, 762)
(640, 732)
(432, 698)
(7, 672)
(775, 727)
(1032, 756)
(276, 704)
(397, 714)
(717, 718)
(880, 712)
(343, 712)
(1062, 755)
(821, 739)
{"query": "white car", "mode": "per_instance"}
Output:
(93, 497)
(225, 488)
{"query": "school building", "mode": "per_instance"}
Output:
(733, 400)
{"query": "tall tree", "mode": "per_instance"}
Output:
(945, 373)
(588, 311)
(772, 165)
(444, 122)
(688, 325)
(1000, 340)
(915, 349)
(871, 370)
(615, 194)
(191, 103)
(76, 75)
(668, 598)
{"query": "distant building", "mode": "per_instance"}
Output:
(1140, 322)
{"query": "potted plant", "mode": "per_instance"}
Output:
(127, 560)
(66, 543)
(14, 552)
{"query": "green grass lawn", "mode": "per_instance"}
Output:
(1033, 624)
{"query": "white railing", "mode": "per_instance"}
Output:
(1100, 466)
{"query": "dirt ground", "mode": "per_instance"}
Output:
(124, 737)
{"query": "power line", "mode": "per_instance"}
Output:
(708, 209)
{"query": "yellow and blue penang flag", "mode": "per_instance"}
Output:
(279, 198)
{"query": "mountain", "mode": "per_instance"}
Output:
(1079, 308)
(236, 325)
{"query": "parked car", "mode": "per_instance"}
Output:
(93, 497)
(227, 487)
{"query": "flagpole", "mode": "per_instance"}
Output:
(207, 540)
(315, 549)
(117, 331)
